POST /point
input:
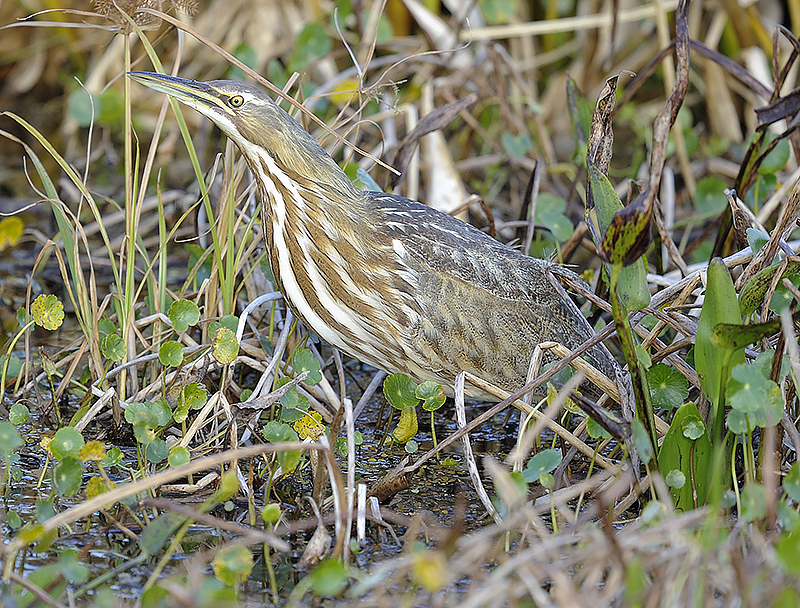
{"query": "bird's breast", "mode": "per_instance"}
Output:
(356, 294)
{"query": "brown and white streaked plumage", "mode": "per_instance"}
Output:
(387, 280)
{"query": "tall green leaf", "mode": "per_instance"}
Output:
(713, 363)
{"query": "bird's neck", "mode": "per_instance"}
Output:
(303, 213)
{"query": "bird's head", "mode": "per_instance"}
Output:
(248, 116)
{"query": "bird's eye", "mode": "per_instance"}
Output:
(236, 101)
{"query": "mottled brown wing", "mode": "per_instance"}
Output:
(484, 306)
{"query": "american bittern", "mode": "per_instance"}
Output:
(390, 281)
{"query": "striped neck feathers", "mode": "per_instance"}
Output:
(295, 153)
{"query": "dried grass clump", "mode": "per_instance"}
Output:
(670, 560)
(113, 11)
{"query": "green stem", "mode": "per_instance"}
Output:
(126, 308)
(174, 545)
(748, 455)
(719, 411)
(273, 580)
(433, 435)
(10, 348)
(641, 389)
(230, 240)
(735, 481)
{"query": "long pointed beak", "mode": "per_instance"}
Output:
(198, 95)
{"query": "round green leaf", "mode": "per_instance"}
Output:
(67, 477)
(141, 413)
(432, 395)
(400, 391)
(9, 437)
(278, 432)
(312, 42)
(668, 387)
(787, 516)
(544, 462)
(329, 578)
(693, 428)
(106, 326)
(294, 405)
(82, 106)
(751, 392)
(144, 434)
(178, 456)
(157, 451)
(643, 356)
(595, 430)
(557, 223)
(304, 360)
(756, 239)
(788, 550)
(791, 483)
(113, 457)
(709, 198)
(737, 422)
(180, 413)
(112, 347)
(547, 480)
(746, 388)
(66, 443)
(183, 314)
(44, 510)
(754, 504)
(18, 414)
(248, 56)
(675, 479)
(233, 564)
(171, 354)
(22, 317)
(144, 420)
(229, 321)
(516, 146)
(158, 532)
(161, 409)
(14, 366)
(271, 513)
(194, 395)
(14, 521)
(776, 159)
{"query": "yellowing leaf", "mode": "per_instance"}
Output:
(310, 425)
(93, 450)
(408, 425)
(233, 564)
(345, 91)
(224, 346)
(47, 311)
(429, 569)
(96, 486)
(10, 231)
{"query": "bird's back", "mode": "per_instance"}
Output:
(474, 304)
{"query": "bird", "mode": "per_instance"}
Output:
(390, 281)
